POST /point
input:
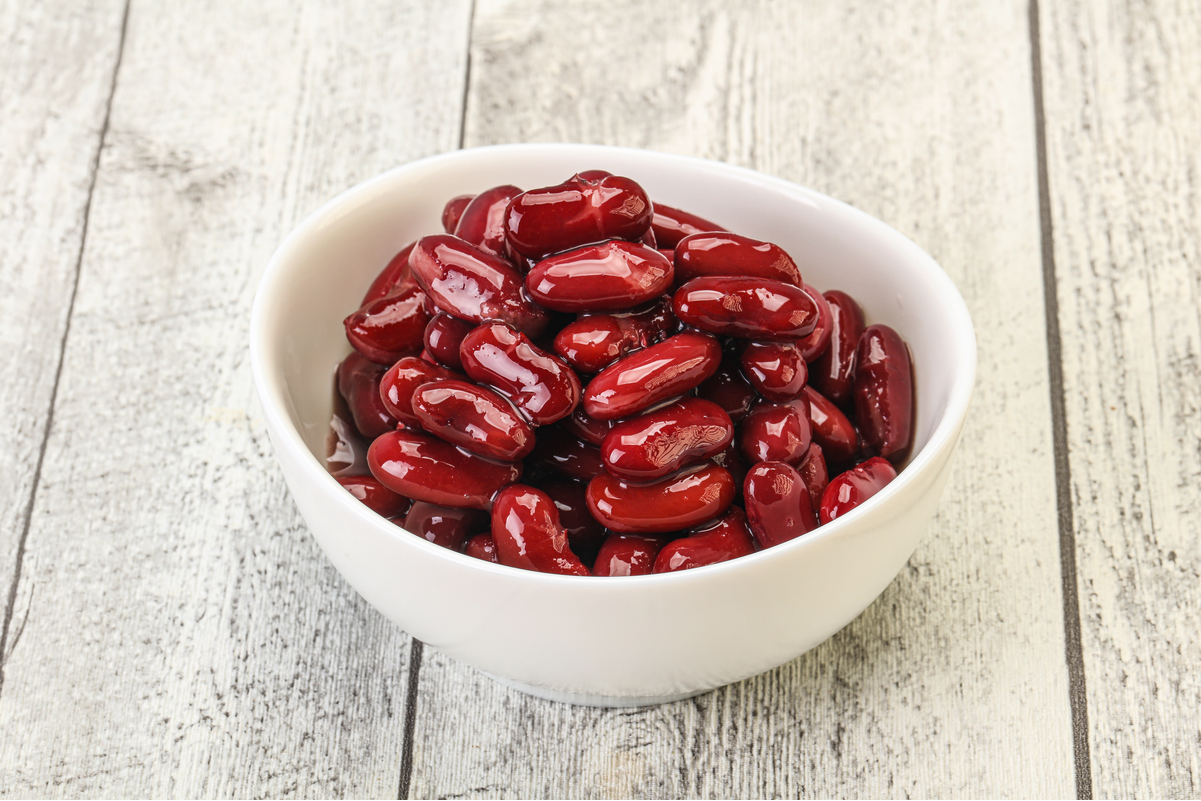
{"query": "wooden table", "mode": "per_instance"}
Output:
(171, 629)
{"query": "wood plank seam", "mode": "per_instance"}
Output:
(1073, 646)
(10, 602)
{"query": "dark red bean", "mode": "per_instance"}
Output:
(671, 225)
(815, 474)
(729, 389)
(584, 533)
(849, 489)
(525, 527)
(724, 254)
(610, 276)
(627, 555)
(883, 393)
(816, 342)
(594, 341)
(473, 418)
(778, 505)
(577, 212)
(453, 210)
(732, 460)
(481, 546)
(834, 372)
(445, 525)
(593, 175)
(443, 336)
(425, 468)
(539, 384)
(401, 380)
(586, 428)
(395, 275)
(559, 453)
(680, 501)
(775, 432)
(719, 541)
(482, 222)
(776, 369)
(359, 382)
(345, 447)
(645, 378)
(390, 328)
(652, 445)
(648, 239)
(375, 496)
(748, 308)
(831, 429)
(474, 285)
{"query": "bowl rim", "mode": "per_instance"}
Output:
(288, 438)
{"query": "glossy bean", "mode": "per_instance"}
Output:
(527, 533)
(732, 460)
(834, 371)
(848, 490)
(559, 453)
(652, 445)
(482, 222)
(883, 393)
(390, 328)
(729, 389)
(443, 336)
(594, 341)
(396, 275)
(671, 225)
(719, 541)
(775, 432)
(474, 418)
(831, 429)
(815, 474)
(474, 285)
(445, 525)
(577, 212)
(425, 468)
(359, 382)
(814, 344)
(584, 533)
(776, 369)
(401, 380)
(778, 504)
(679, 501)
(481, 546)
(453, 210)
(627, 555)
(538, 384)
(585, 428)
(375, 496)
(725, 254)
(345, 447)
(647, 377)
(610, 276)
(748, 308)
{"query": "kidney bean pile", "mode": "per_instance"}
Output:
(575, 380)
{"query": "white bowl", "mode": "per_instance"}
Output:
(615, 641)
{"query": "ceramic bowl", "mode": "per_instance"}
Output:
(615, 641)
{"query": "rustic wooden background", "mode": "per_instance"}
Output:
(170, 628)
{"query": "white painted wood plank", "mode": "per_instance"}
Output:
(55, 79)
(954, 683)
(185, 636)
(1123, 121)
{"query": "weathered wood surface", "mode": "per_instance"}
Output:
(1123, 121)
(954, 682)
(182, 634)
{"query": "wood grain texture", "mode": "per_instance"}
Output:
(184, 635)
(954, 682)
(1122, 89)
(55, 81)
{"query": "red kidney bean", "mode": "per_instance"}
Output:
(345, 447)
(481, 546)
(849, 489)
(445, 525)
(682, 500)
(729, 389)
(645, 378)
(815, 343)
(425, 468)
(474, 285)
(540, 385)
(594, 341)
(731, 460)
(559, 453)
(443, 336)
(585, 428)
(610, 276)
(724, 254)
(453, 210)
(375, 496)
(831, 429)
(648, 239)
(719, 541)
(359, 384)
(627, 555)
(584, 534)
(474, 418)
(401, 380)
(652, 445)
(482, 222)
(776, 369)
(775, 432)
(395, 275)
(883, 393)
(525, 527)
(815, 474)
(778, 505)
(834, 372)
(671, 225)
(577, 212)
(670, 255)
(390, 328)
(748, 308)
(593, 175)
